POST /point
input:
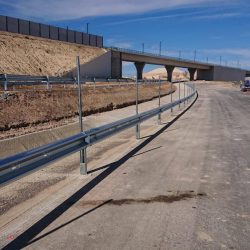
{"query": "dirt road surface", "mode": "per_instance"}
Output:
(185, 186)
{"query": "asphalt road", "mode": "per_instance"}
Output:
(185, 187)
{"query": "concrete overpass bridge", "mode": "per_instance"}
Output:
(205, 71)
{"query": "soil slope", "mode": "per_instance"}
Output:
(37, 56)
(178, 74)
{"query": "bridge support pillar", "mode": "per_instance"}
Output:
(170, 70)
(139, 68)
(192, 72)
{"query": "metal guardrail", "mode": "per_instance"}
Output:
(23, 163)
(7, 80)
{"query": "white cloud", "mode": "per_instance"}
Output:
(73, 9)
(189, 15)
(218, 16)
(119, 43)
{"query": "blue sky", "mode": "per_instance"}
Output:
(213, 28)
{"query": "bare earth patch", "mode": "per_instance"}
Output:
(43, 109)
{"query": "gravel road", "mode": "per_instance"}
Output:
(185, 186)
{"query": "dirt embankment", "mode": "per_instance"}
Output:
(37, 56)
(32, 108)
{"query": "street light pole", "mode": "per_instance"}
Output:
(143, 47)
(195, 52)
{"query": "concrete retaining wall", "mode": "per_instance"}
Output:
(99, 67)
(220, 73)
(116, 64)
(30, 141)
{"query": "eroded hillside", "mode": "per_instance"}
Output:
(37, 56)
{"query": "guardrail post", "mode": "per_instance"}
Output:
(47, 82)
(179, 94)
(83, 152)
(184, 93)
(75, 83)
(6, 82)
(188, 93)
(159, 101)
(137, 129)
(171, 96)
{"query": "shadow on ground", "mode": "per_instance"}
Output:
(26, 237)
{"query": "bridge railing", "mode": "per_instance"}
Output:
(172, 58)
(157, 55)
(16, 166)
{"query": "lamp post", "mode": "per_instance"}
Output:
(179, 54)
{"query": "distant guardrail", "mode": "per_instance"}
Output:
(16, 166)
(25, 27)
(7, 80)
